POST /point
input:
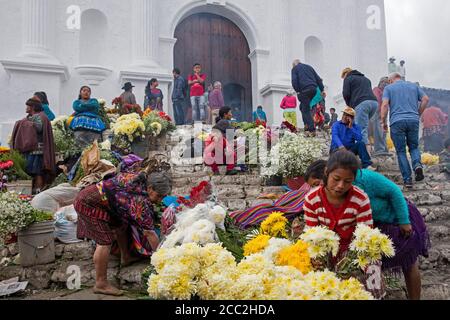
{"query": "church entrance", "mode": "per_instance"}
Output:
(222, 49)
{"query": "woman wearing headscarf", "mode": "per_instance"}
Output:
(87, 123)
(380, 146)
(42, 96)
(121, 209)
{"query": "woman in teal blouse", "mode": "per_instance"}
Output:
(400, 219)
(87, 123)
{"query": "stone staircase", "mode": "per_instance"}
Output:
(239, 192)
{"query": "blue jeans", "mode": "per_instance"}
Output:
(405, 133)
(305, 98)
(379, 135)
(198, 108)
(360, 150)
(178, 110)
(364, 112)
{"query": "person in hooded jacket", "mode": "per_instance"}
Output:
(358, 94)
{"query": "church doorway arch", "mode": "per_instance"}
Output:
(223, 50)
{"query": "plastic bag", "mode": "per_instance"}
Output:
(55, 198)
(66, 225)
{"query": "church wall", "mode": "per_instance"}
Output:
(276, 32)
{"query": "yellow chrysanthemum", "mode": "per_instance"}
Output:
(256, 245)
(275, 225)
(296, 256)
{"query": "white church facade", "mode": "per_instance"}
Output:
(57, 46)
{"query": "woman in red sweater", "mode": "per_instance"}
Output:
(338, 204)
(289, 105)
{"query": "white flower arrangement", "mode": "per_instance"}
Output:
(292, 156)
(322, 241)
(197, 225)
(15, 214)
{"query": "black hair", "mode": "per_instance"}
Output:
(196, 64)
(447, 143)
(152, 81)
(342, 159)
(260, 107)
(35, 104)
(222, 112)
(316, 170)
(42, 96)
(83, 87)
(177, 71)
(333, 109)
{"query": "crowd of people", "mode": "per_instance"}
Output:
(339, 193)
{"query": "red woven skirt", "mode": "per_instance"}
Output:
(94, 220)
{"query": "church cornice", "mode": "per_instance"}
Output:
(37, 67)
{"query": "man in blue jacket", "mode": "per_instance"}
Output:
(305, 81)
(346, 135)
(178, 97)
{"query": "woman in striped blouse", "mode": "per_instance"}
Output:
(338, 204)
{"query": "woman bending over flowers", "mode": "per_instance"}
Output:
(338, 205)
(399, 219)
(116, 209)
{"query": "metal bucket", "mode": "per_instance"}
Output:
(37, 244)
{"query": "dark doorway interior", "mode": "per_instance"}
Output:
(222, 49)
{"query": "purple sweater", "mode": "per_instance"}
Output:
(216, 100)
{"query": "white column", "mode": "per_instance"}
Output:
(145, 34)
(350, 32)
(38, 24)
(280, 25)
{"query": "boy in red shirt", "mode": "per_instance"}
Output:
(196, 83)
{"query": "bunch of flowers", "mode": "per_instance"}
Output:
(211, 273)
(256, 245)
(129, 126)
(6, 165)
(16, 214)
(126, 108)
(198, 195)
(4, 149)
(157, 123)
(430, 159)
(64, 138)
(296, 256)
(322, 242)
(12, 167)
(275, 225)
(292, 156)
(197, 225)
(369, 246)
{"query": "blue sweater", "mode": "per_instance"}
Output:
(343, 136)
(386, 199)
(305, 77)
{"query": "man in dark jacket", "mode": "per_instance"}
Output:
(358, 94)
(178, 97)
(305, 81)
